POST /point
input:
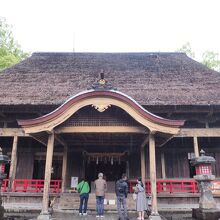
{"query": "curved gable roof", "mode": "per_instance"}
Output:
(111, 95)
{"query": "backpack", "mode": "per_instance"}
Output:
(120, 187)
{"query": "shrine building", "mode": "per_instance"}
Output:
(67, 116)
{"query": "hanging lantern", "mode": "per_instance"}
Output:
(112, 161)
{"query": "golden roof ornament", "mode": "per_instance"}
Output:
(102, 84)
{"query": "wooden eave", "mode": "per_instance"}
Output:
(109, 94)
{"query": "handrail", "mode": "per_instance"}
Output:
(163, 186)
(31, 185)
(169, 186)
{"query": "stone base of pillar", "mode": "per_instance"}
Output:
(155, 216)
(1, 212)
(44, 216)
(204, 214)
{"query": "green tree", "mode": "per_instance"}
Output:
(211, 60)
(186, 48)
(10, 51)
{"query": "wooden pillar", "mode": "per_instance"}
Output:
(163, 166)
(13, 166)
(127, 169)
(49, 158)
(196, 146)
(152, 159)
(64, 168)
(143, 172)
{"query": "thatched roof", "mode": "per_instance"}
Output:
(149, 78)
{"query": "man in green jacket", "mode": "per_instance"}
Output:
(83, 189)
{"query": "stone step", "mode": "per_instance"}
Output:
(71, 201)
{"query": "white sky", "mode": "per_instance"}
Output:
(114, 25)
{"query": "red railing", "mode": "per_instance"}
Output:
(163, 186)
(169, 186)
(4, 187)
(30, 185)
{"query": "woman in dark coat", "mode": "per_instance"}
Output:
(141, 201)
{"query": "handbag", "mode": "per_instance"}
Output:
(134, 196)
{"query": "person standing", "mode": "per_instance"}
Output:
(121, 190)
(83, 190)
(100, 186)
(141, 201)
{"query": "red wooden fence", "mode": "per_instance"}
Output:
(169, 186)
(30, 185)
(163, 186)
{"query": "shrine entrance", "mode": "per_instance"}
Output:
(119, 125)
(112, 165)
(112, 172)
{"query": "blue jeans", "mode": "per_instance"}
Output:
(121, 202)
(83, 202)
(100, 205)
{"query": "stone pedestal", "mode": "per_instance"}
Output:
(1, 212)
(206, 200)
(206, 214)
(155, 216)
(44, 216)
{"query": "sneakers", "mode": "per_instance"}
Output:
(101, 216)
(97, 216)
(80, 213)
(85, 214)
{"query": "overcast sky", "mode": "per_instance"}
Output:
(114, 25)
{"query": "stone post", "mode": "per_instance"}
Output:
(207, 206)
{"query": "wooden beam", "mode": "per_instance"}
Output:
(13, 165)
(153, 176)
(146, 140)
(48, 166)
(143, 169)
(196, 146)
(142, 152)
(163, 165)
(101, 129)
(11, 132)
(198, 132)
(39, 140)
(64, 168)
(165, 141)
(60, 140)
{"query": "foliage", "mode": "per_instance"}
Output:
(10, 50)
(186, 48)
(209, 58)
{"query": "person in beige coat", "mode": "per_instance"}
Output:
(100, 189)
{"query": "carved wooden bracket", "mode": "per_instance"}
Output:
(101, 107)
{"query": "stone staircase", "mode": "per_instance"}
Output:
(70, 201)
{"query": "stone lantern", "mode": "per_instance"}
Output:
(3, 160)
(204, 176)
